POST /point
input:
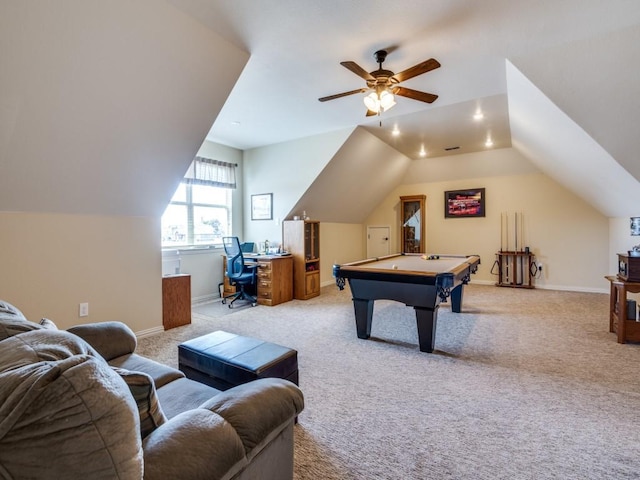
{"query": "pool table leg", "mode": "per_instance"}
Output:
(426, 319)
(364, 315)
(456, 299)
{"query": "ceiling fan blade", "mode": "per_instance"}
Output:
(415, 94)
(370, 113)
(416, 70)
(358, 70)
(340, 95)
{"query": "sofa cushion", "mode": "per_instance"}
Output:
(64, 413)
(184, 394)
(144, 393)
(161, 374)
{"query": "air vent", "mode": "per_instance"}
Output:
(448, 149)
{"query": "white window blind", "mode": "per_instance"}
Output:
(214, 173)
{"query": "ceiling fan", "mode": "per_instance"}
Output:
(383, 84)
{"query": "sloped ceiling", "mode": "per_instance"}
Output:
(596, 83)
(358, 177)
(104, 104)
(566, 153)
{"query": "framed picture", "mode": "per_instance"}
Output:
(464, 203)
(262, 206)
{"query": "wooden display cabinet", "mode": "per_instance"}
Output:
(412, 227)
(302, 239)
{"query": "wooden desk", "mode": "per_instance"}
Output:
(627, 330)
(274, 278)
(176, 300)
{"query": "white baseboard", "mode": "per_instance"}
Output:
(149, 332)
(564, 288)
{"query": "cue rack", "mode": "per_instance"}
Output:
(515, 264)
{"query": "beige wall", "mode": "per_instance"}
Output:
(339, 243)
(53, 262)
(567, 235)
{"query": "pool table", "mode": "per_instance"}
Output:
(421, 281)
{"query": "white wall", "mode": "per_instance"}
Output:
(286, 170)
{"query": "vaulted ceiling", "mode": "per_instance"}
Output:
(578, 55)
(103, 104)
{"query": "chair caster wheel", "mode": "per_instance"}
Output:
(230, 306)
(254, 304)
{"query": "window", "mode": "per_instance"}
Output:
(200, 211)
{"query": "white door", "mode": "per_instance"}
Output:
(377, 241)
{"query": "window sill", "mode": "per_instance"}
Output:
(193, 250)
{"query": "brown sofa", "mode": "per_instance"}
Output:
(82, 404)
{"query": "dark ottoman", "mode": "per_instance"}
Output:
(223, 360)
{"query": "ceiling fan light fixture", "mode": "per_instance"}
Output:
(372, 102)
(379, 103)
(387, 100)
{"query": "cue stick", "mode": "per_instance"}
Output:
(515, 250)
(515, 230)
(506, 264)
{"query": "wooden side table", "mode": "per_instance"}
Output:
(176, 300)
(627, 330)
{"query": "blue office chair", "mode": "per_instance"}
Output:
(242, 276)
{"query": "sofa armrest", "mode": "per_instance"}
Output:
(193, 445)
(257, 408)
(110, 339)
(219, 438)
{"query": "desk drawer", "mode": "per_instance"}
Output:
(264, 285)
(264, 271)
(265, 294)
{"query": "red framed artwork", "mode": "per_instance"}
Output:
(464, 203)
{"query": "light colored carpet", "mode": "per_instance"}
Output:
(524, 384)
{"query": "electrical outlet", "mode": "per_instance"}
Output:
(84, 310)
